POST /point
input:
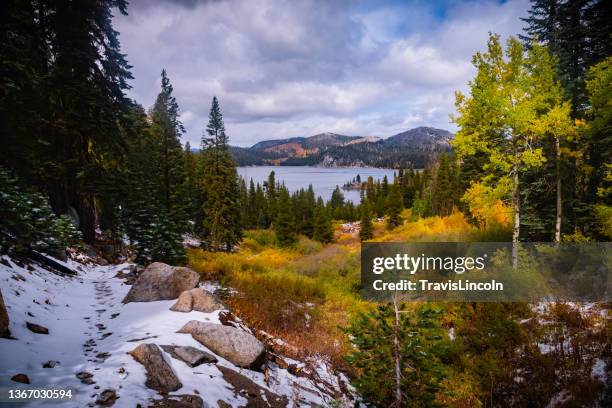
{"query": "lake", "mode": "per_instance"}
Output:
(324, 180)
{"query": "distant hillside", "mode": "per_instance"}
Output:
(421, 138)
(414, 147)
(301, 147)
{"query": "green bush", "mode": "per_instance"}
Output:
(27, 221)
(264, 237)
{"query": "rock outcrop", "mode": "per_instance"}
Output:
(191, 356)
(235, 345)
(4, 319)
(37, 328)
(178, 401)
(196, 299)
(160, 281)
(160, 376)
(21, 378)
(256, 396)
(107, 398)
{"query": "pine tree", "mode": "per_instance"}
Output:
(577, 33)
(190, 190)
(263, 216)
(394, 206)
(284, 225)
(63, 99)
(366, 230)
(166, 130)
(305, 203)
(409, 187)
(243, 201)
(410, 341)
(336, 203)
(442, 202)
(253, 205)
(323, 230)
(222, 225)
(384, 188)
(599, 146)
(151, 229)
(271, 196)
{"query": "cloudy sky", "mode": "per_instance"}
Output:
(301, 67)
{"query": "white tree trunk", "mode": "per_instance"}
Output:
(517, 218)
(559, 191)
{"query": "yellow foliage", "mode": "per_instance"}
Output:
(486, 206)
(305, 294)
(454, 227)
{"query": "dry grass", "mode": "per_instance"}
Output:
(305, 294)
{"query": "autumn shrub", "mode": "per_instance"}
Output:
(263, 237)
(306, 246)
(277, 302)
(486, 206)
(313, 263)
(454, 227)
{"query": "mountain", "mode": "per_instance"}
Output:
(247, 157)
(414, 147)
(302, 146)
(426, 138)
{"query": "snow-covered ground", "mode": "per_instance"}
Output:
(91, 331)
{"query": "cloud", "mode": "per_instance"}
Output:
(285, 68)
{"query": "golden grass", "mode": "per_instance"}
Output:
(455, 227)
(305, 294)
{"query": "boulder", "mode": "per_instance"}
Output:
(178, 401)
(196, 299)
(160, 281)
(4, 319)
(107, 398)
(50, 364)
(85, 377)
(36, 328)
(235, 345)
(160, 376)
(21, 378)
(256, 395)
(191, 356)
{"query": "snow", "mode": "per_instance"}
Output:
(599, 370)
(71, 307)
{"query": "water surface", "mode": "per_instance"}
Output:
(324, 180)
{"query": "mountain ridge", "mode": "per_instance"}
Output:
(414, 147)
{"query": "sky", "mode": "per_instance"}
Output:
(302, 67)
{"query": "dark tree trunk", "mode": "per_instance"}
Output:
(87, 218)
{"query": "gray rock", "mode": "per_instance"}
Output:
(191, 356)
(235, 345)
(160, 281)
(4, 319)
(160, 375)
(196, 299)
(50, 364)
